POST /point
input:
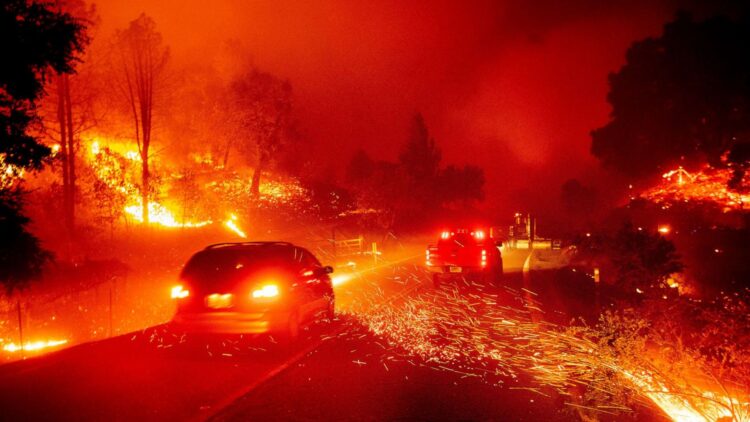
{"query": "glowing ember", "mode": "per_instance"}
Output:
(477, 336)
(231, 224)
(707, 185)
(9, 174)
(704, 408)
(32, 346)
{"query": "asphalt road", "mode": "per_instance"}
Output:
(341, 370)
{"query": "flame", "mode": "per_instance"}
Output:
(232, 225)
(32, 346)
(9, 173)
(116, 164)
(706, 185)
(159, 214)
(707, 407)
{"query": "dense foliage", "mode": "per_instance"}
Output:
(413, 189)
(37, 42)
(681, 97)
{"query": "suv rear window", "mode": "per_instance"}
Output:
(229, 265)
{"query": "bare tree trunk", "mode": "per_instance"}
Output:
(226, 153)
(61, 118)
(255, 185)
(144, 189)
(71, 202)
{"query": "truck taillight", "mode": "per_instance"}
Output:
(427, 257)
(484, 258)
(445, 235)
(479, 234)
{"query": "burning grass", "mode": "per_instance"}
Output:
(707, 185)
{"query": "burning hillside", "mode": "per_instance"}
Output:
(707, 185)
(195, 195)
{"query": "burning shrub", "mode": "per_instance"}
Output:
(689, 357)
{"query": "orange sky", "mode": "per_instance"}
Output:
(513, 86)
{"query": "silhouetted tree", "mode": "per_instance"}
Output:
(36, 42)
(406, 193)
(579, 201)
(739, 159)
(72, 115)
(681, 96)
(420, 157)
(360, 167)
(263, 105)
(21, 255)
(142, 59)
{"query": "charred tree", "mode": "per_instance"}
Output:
(142, 61)
(264, 105)
(68, 150)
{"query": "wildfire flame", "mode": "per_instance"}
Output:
(159, 214)
(232, 225)
(33, 346)
(706, 185)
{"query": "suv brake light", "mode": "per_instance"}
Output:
(268, 290)
(179, 292)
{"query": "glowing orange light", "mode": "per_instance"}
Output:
(484, 258)
(32, 346)
(705, 185)
(708, 406)
(160, 215)
(269, 290)
(340, 279)
(445, 235)
(232, 225)
(219, 301)
(179, 292)
(664, 229)
(479, 234)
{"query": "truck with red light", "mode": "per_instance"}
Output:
(465, 252)
(252, 288)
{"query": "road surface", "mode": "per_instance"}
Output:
(343, 370)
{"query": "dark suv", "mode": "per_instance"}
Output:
(252, 287)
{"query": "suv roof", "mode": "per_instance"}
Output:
(234, 244)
